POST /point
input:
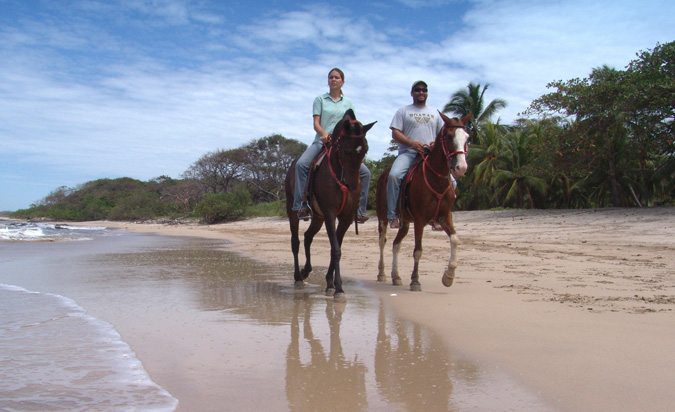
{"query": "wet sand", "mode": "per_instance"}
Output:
(220, 331)
(576, 305)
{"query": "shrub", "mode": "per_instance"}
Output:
(219, 207)
(267, 209)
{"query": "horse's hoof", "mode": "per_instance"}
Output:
(447, 280)
(415, 287)
(330, 292)
(340, 297)
(396, 282)
(381, 278)
(299, 284)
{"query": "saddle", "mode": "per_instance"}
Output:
(307, 192)
(404, 193)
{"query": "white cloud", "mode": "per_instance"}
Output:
(124, 108)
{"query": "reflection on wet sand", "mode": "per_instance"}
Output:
(338, 356)
(324, 381)
(410, 368)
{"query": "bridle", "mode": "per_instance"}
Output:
(329, 154)
(449, 155)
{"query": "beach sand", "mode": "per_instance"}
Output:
(577, 305)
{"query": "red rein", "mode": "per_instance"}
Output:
(425, 165)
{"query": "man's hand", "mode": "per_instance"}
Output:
(419, 147)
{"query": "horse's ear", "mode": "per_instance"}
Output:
(349, 114)
(368, 126)
(445, 118)
(467, 118)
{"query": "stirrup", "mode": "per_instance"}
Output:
(305, 212)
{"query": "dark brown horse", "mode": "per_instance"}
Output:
(334, 187)
(428, 196)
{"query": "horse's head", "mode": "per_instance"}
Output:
(349, 136)
(455, 143)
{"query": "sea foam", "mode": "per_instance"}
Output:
(55, 356)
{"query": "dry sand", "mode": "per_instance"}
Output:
(578, 305)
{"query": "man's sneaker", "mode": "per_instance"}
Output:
(304, 213)
(362, 218)
(394, 223)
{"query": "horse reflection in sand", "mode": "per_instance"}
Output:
(410, 367)
(324, 382)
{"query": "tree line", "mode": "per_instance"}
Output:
(601, 141)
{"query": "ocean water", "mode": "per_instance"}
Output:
(36, 231)
(53, 354)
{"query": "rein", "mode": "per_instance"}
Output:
(448, 156)
(343, 187)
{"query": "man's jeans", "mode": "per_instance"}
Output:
(397, 173)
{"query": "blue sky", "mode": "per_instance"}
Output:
(95, 89)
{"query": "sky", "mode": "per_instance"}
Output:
(110, 88)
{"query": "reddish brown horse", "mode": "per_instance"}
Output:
(334, 187)
(427, 197)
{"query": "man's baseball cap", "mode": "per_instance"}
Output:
(417, 83)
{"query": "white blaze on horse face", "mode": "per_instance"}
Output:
(460, 168)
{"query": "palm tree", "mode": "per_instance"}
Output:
(517, 182)
(470, 100)
(485, 159)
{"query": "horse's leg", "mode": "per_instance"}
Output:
(313, 228)
(449, 275)
(396, 247)
(415, 285)
(293, 221)
(334, 255)
(343, 225)
(382, 231)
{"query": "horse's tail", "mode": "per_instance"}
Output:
(289, 185)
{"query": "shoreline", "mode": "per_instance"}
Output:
(577, 305)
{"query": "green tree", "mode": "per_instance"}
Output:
(593, 104)
(484, 160)
(515, 178)
(622, 122)
(219, 207)
(217, 171)
(265, 162)
(650, 101)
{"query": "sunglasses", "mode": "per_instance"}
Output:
(420, 90)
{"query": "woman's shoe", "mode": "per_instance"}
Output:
(362, 218)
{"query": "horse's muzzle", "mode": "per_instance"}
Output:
(458, 166)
